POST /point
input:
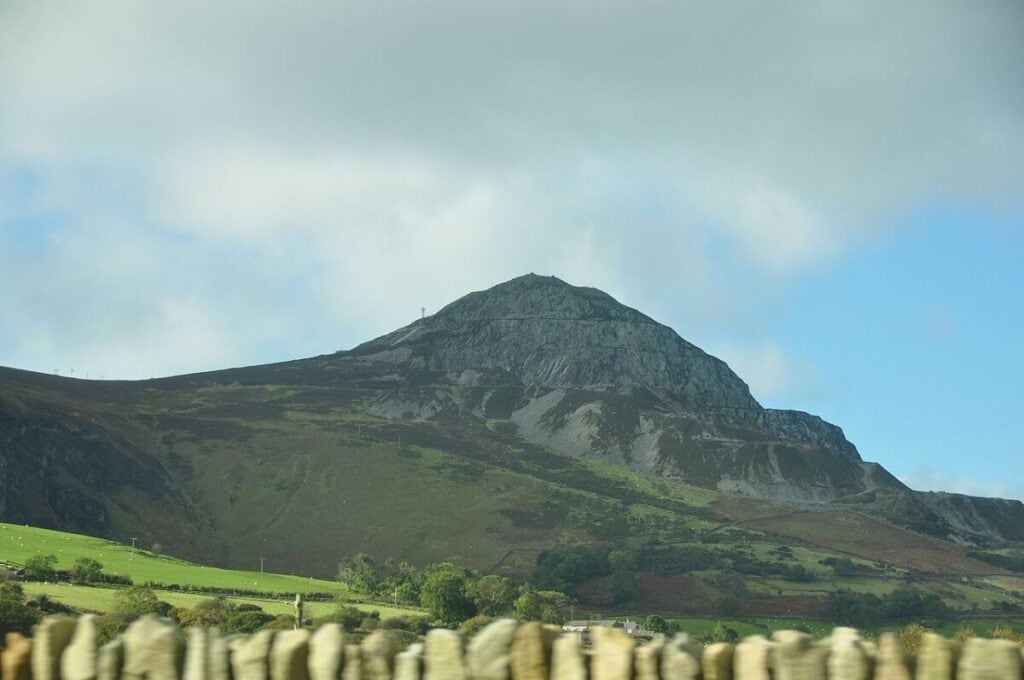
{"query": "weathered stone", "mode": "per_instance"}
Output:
(218, 656)
(109, 660)
(795, 656)
(567, 661)
(989, 660)
(250, 655)
(353, 663)
(751, 658)
(681, 658)
(327, 653)
(647, 659)
(49, 639)
(487, 654)
(206, 656)
(443, 656)
(409, 664)
(379, 650)
(717, 661)
(16, 658)
(847, 659)
(289, 655)
(613, 654)
(78, 662)
(530, 651)
(196, 654)
(890, 663)
(154, 649)
(937, 657)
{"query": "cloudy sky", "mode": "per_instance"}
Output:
(828, 195)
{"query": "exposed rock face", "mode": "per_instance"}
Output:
(547, 332)
(579, 372)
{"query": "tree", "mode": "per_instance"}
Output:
(656, 624)
(207, 613)
(444, 594)
(40, 567)
(359, 573)
(492, 595)
(86, 570)
(15, 615)
(544, 605)
(131, 603)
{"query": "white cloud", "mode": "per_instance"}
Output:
(934, 479)
(768, 370)
(350, 163)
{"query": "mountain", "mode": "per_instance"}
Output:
(530, 415)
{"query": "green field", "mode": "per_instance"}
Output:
(102, 600)
(19, 543)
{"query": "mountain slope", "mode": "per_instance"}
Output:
(530, 415)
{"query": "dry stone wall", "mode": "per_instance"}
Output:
(155, 649)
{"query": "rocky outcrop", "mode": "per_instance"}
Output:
(547, 332)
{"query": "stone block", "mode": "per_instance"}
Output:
(327, 653)
(989, 660)
(937, 658)
(109, 660)
(16, 658)
(250, 655)
(379, 651)
(848, 659)
(752, 658)
(487, 654)
(409, 664)
(289, 655)
(49, 639)
(890, 662)
(442, 656)
(716, 663)
(647, 659)
(353, 663)
(567, 659)
(530, 651)
(78, 662)
(154, 649)
(613, 654)
(681, 658)
(796, 656)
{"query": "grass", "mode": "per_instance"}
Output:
(102, 600)
(19, 543)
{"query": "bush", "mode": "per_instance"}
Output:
(40, 567)
(86, 570)
(131, 603)
(15, 615)
(444, 595)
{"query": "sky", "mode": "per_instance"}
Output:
(827, 195)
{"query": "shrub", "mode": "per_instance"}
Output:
(86, 570)
(40, 567)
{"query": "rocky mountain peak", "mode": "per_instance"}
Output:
(546, 332)
(539, 297)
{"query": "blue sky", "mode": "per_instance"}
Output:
(828, 195)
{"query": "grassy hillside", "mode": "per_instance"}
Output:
(19, 543)
(288, 464)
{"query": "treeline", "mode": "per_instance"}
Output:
(849, 608)
(451, 594)
(85, 570)
(564, 569)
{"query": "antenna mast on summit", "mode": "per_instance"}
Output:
(423, 312)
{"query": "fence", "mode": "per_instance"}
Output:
(155, 649)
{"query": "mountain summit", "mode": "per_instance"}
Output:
(545, 332)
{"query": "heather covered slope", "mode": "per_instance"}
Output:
(527, 416)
